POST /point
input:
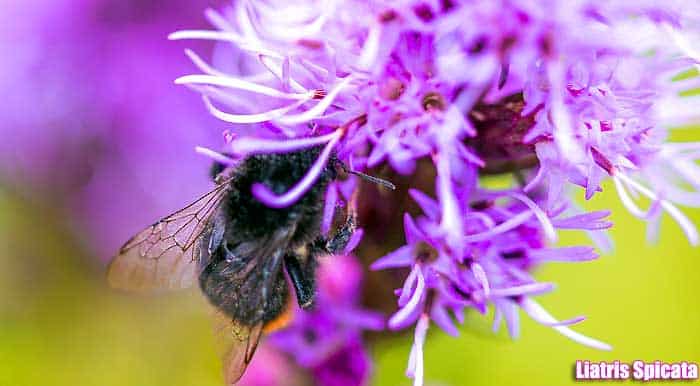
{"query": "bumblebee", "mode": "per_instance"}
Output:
(238, 249)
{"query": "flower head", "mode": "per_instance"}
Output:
(557, 94)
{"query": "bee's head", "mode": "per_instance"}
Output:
(216, 169)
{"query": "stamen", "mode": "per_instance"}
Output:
(526, 289)
(539, 176)
(411, 280)
(217, 20)
(224, 36)
(591, 221)
(249, 118)
(627, 201)
(511, 315)
(561, 119)
(485, 219)
(202, 65)
(497, 319)
(403, 315)
(482, 278)
(567, 322)
(540, 214)
(371, 48)
(317, 110)
(253, 145)
(227, 36)
(277, 71)
(686, 225)
(319, 72)
(415, 362)
(278, 24)
(216, 156)
(684, 45)
(505, 226)
(564, 254)
(540, 314)
(240, 84)
(450, 208)
(286, 77)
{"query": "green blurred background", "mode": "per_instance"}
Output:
(60, 325)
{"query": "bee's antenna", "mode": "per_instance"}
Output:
(366, 177)
(373, 179)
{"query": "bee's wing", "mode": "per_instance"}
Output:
(256, 273)
(237, 344)
(165, 255)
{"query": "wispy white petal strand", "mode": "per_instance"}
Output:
(249, 118)
(252, 145)
(240, 84)
(686, 225)
(547, 226)
(317, 110)
(533, 308)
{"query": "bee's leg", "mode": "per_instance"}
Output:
(302, 278)
(339, 240)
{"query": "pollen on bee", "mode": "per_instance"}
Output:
(281, 321)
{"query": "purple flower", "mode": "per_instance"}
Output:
(346, 366)
(559, 94)
(501, 244)
(270, 367)
(97, 132)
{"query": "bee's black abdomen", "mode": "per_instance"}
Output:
(241, 300)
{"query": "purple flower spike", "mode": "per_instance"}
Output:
(327, 340)
(500, 244)
(562, 96)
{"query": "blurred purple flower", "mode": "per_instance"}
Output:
(270, 367)
(91, 119)
(327, 340)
